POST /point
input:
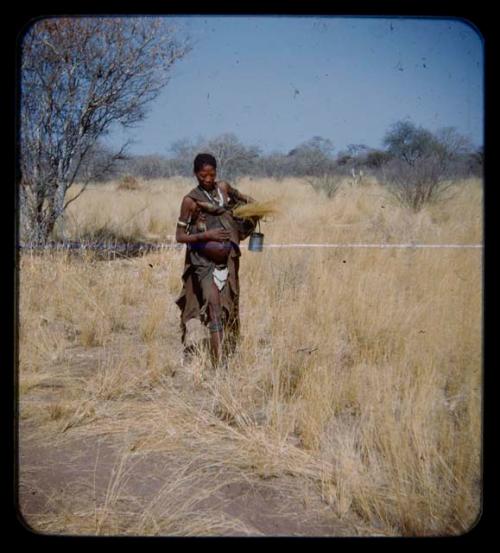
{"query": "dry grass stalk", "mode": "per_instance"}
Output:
(359, 371)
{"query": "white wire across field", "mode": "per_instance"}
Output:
(152, 246)
(370, 245)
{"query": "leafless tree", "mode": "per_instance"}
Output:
(153, 166)
(274, 165)
(101, 164)
(453, 143)
(233, 158)
(183, 153)
(80, 76)
(312, 158)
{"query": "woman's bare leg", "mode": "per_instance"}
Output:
(215, 325)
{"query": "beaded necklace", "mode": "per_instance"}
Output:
(219, 201)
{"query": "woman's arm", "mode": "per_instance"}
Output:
(236, 194)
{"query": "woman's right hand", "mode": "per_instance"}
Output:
(216, 235)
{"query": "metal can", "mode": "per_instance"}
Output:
(256, 242)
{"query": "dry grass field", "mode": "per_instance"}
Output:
(351, 408)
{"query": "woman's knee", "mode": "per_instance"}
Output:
(214, 314)
(214, 311)
(214, 307)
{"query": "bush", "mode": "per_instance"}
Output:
(415, 185)
(423, 162)
(327, 184)
(128, 182)
(377, 159)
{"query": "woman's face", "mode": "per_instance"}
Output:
(206, 177)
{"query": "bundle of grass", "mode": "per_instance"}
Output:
(256, 209)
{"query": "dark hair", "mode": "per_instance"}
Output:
(204, 159)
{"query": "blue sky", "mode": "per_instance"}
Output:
(278, 81)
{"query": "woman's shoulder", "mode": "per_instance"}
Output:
(193, 195)
(224, 185)
(188, 201)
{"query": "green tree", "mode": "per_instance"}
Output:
(312, 158)
(410, 143)
(421, 165)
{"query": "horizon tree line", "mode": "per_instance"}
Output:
(451, 154)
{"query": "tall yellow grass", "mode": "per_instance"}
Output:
(358, 373)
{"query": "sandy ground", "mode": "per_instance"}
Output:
(66, 472)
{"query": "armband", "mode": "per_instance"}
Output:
(182, 224)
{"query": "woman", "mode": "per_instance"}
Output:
(212, 234)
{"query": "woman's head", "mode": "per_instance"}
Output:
(205, 169)
(204, 159)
